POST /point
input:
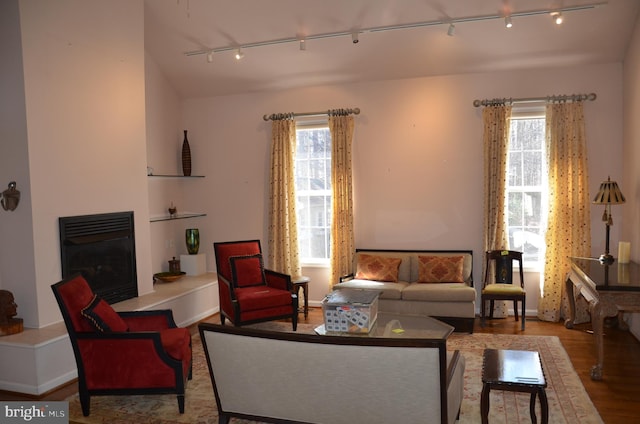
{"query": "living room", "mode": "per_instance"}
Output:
(84, 128)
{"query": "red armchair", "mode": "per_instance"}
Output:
(122, 353)
(248, 292)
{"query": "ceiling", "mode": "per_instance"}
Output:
(174, 27)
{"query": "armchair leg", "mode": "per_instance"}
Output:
(515, 309)
(523, 309)
(85, 402)
(482, 312)
(221, 318)
(181, 403)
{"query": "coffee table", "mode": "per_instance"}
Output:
(400, 326)
(515, 371)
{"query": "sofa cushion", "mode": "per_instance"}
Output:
(377, 268)
(102, 316)
(440, 269)
(387, 290)
(443, 292)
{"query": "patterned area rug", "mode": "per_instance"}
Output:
(568, 401)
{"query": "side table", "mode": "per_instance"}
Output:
(515, 371)
(303, 282)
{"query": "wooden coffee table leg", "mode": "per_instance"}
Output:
(484, 403)
(532, 408)
(544, 406)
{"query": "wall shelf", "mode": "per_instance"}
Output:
(177, 216)
(174, 176)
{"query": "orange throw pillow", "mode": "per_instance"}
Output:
(440, 269)
(378, 268)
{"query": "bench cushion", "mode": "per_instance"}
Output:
(443, 292)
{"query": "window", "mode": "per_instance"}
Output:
(313, 190)
(526, 200)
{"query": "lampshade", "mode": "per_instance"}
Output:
(609, 194)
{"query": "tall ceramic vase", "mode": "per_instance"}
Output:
(192, 237)
(186, 156)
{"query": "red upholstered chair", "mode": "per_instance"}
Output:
(122, 353)
(248, 292)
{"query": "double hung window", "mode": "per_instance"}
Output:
(313, 191)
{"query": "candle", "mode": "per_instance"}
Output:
(624, 251)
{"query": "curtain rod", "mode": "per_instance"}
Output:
(276, 116)
(559, 98)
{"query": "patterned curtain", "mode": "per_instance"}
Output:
(342, 247)
(283, 227)
(569, 221)
(496, 144)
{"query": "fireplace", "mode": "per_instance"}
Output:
(101, 248)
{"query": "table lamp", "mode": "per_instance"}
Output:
(609, 194)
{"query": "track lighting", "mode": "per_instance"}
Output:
(452, 30)
(507, 22)
(210, 57)
(556, 14)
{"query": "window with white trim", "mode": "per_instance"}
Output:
(313, 191)
(526, 191)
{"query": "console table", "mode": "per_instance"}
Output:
(608, 289)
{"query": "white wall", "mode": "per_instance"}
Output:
(84, 86)
(631, 154)
(417, 155)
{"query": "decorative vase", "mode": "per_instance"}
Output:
(192, 236)
(186, 156)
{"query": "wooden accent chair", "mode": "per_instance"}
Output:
(249, 293)
(122, 353)
(499, 264)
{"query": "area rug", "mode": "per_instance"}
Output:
(568, 401)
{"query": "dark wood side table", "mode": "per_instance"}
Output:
(303, 282)
(515, 371)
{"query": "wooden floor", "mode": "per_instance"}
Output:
(616, 397)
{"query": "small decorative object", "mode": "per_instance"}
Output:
(186, 156)
(624, 252)
(10, 197)
(149, 170)
(172, 210)
(168, 277)
(174, 265)
(192, 236)
(8, 310)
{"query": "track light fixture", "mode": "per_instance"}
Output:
(210, 57)
(452, 30)
(507, 22)
(556, 14)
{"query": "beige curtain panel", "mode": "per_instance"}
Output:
(569, 220)
(342, 239)
(283, 227)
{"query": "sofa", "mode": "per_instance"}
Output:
(437, 283)
(307, 378)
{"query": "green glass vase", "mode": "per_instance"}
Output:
(192, 236)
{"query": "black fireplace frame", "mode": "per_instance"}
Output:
(115, 228)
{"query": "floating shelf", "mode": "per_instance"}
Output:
(174, 176)
(177, 216)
